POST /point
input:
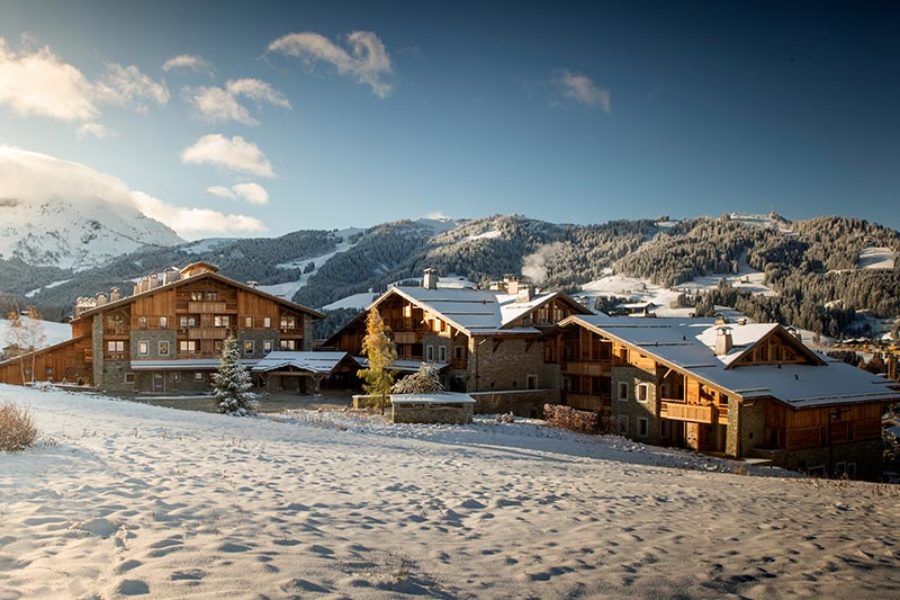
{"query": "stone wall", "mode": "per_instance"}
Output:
(867, 456)
(113, 377)
(751, 424)
(97, 347)
(153, 337)
(427, 412)
(174, 382)
(508, 367)
(257, 336)
(523, 403)
(632, 409)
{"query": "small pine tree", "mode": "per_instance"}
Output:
(231, 383)
(423, 381)
(381, 352)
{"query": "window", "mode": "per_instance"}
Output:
(164, 322)
(248, 347)
(174, 377)
(143, 348)
(115, 346)
(187, 346)
(458, 353)
(532, 382)
(288, 323)
(267, 322)
(442, 353)
(623, 391)
(248, 322)
(164, 348)
(267, 346)
(129, 377)
(429, 353)
(196, 296)
(643, 427)
(643, 392)
(186, 322)
(221, 321)
(212, 296)
(198, 376)
(142, 322)
(288, 344)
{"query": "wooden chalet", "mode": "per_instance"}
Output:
(743, 390)
(481, 341)
(168, 335)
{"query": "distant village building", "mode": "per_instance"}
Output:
(168, 335)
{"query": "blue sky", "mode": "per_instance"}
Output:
(565, 112)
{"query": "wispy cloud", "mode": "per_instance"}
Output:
(215, 104)
(582, 89)
(250, 192)
(36, 177)
(38, 83)
(94, 130)
(365, 57)
(188, 62)
(235, 154)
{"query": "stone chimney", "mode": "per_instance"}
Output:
(523, 293)
(154, 280)
(430, 279)
(115, 294)
(724, 341)
(171, 276)
(253, 284)
(101, 299)
(512, 285)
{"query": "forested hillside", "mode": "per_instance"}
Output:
(812, 266)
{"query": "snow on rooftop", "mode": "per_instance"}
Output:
(440, 398)
(314, 362)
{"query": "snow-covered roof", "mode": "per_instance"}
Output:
(314, 362)
(511, 308)
(406, 365)
(689, 346)
(441, 398)
(184, 364)
(472, 311)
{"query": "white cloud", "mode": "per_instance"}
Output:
(235, 154)
(95, 130)
(127, 85)
(35, 177)
(190, 62)
(39, 83)
(215, 104)
(365, 59)
(581, 88)
(250, 192)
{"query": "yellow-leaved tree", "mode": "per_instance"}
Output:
(381, 352)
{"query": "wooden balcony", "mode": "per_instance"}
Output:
(589, 368)
(405, 337)
(723, 415)
(587, 401)
(680, 411)
(207, 333)
(207, 308)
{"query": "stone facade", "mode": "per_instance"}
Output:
(509, 367)
(153, 337)
(630, 412)
(115, 376)
(147, 382)
(258, 337)
(860, 460)
(452, 412)
(523, 403)
(97, 349)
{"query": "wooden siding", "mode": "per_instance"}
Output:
(66, 361)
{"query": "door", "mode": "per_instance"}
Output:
(159, 383)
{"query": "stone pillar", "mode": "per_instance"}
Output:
(97, 348)
(733, 435)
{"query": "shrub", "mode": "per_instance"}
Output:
(423, 381)
(566, 417)
(17, 430)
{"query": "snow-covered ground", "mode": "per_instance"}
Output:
(636, 291)
(55, 332)
(354, 301)
(122, 499)
(876, 258)
(49, 286)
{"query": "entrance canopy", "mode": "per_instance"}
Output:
(315, 363)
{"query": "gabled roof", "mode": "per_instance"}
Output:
(199, 277)
(688, 346)
(313, 362)
(512, 309)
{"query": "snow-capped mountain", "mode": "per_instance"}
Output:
(76, 235)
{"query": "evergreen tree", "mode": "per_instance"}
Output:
(381, 352)
(231, 383)
(423, 381)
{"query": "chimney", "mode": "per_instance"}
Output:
(512, 285)
(724, 341)
(742, 321)
(154, 280)
(523, 293)
(101, 299)
(253, 284)
(430, 279)
(171, 276)
(115, 294)
(795, 332)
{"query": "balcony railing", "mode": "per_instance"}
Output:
(405, 337)
(210, 307)
(680, 411)
(590, 368)
(207, 333)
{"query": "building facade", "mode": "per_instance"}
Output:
(742, 390)
(167, 337)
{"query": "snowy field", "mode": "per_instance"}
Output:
(876, 258)
(123, 499)
(55, 332)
